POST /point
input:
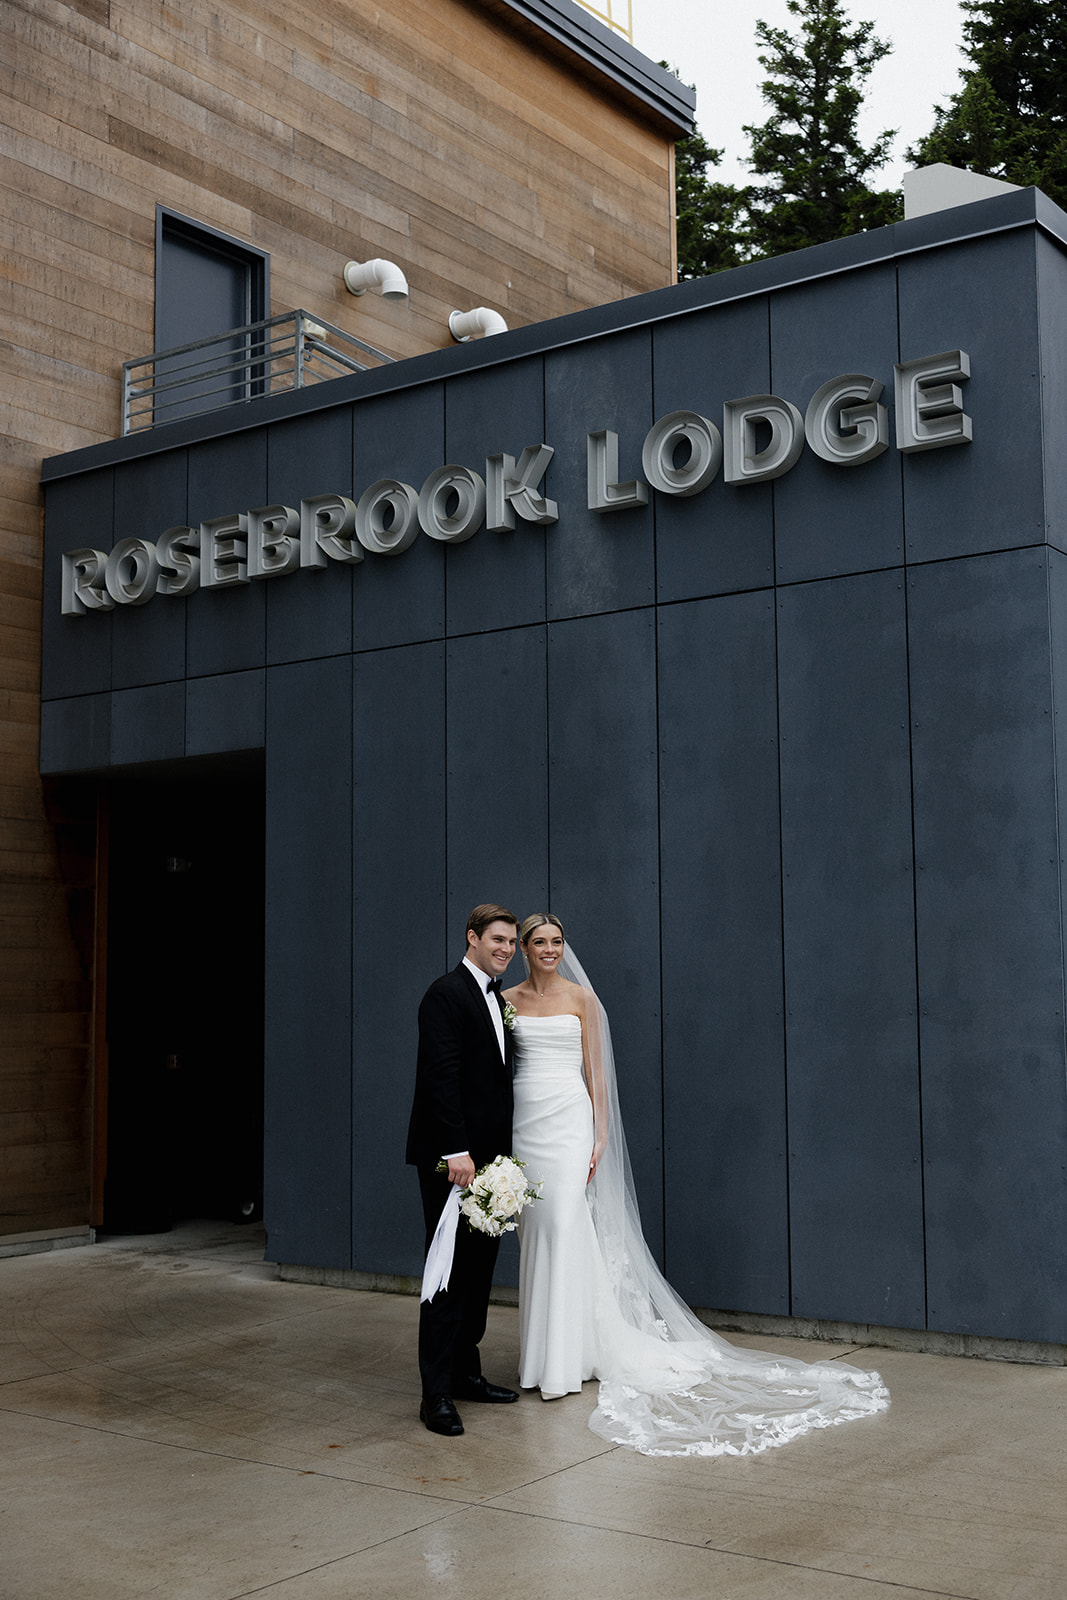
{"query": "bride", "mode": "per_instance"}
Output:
(592, 1302)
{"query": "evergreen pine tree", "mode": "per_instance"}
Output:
(1009, 120)
(709, 214)
(809, 147)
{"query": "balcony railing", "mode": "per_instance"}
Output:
(618, 14)
(291, 351)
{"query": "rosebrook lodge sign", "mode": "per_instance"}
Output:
(762, 437)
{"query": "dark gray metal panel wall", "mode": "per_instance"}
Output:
(722, 539)
(989, 942)
(76, 733)
(226, 628)
(604, 863)
(75, 651)
(497, 795)
(1052, 319)
(496, 580)
(149, 645)
(518, 721)
(723, 1046)
(310, 614)
(401, 936)
(1057, 578)
(227, 712)
(308, 1023)
(955, 500)
(148, 724)
(831, 519)
(604, 560)
(399, 599)
(855, 1178)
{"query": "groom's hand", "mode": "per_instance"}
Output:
(461, 1170)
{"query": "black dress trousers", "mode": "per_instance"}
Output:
(453, 1322)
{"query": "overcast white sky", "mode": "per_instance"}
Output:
(712, 43)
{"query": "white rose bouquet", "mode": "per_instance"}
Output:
(490, 1204)
(497, 1195)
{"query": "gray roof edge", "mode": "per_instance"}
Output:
(609, 53)
(982, 219)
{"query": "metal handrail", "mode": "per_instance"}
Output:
(289, 351)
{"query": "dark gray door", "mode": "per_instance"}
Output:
(206, 284)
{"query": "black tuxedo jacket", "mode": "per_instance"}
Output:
(462, 1086)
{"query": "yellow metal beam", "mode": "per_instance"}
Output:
(617, 14)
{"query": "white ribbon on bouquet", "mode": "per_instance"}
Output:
(438, 1267)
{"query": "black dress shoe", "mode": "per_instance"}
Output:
(440, 1415)
(480, 1389)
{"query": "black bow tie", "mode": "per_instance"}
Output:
(493, 986)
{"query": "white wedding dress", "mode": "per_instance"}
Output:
(553, 1133)
(593, 1304)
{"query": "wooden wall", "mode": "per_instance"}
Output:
(426, 131)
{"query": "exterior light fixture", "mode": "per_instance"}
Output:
(377, 274)
(464, 325)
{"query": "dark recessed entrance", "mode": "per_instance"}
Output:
(185, 996)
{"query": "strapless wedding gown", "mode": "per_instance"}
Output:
(593, 1304)
(553, 1134)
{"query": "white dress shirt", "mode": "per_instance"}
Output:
(491, 1001)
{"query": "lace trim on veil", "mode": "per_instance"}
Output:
(669, 1385)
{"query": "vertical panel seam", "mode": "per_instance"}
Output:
(548, 702)
(1047, 530)
(659, 943)
(905, 568)
(444, 581)
(445, 655)
(915, 946)
(787, 1174)
(353, 641)
(781, 943)
(1038, 342)
(185, 660)
(1056, 786)
(446, 652)
(544, 539)
(112, 475)
(548, 773)
(654, 506)
(352, 1027)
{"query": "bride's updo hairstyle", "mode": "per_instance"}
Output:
(538, 920)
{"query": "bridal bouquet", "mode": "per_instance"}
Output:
(497, 1195)
(490, 1204)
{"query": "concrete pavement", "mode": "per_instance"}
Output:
(176, 1422)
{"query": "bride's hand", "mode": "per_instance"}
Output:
(594, 1160)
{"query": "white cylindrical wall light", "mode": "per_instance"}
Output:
(377, 274)
(464, 325)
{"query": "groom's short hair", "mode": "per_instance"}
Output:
(482, 916)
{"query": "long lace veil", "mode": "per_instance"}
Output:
(669, 1384)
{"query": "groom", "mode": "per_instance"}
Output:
(462, 1115)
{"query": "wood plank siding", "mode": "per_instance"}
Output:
(451, 136)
